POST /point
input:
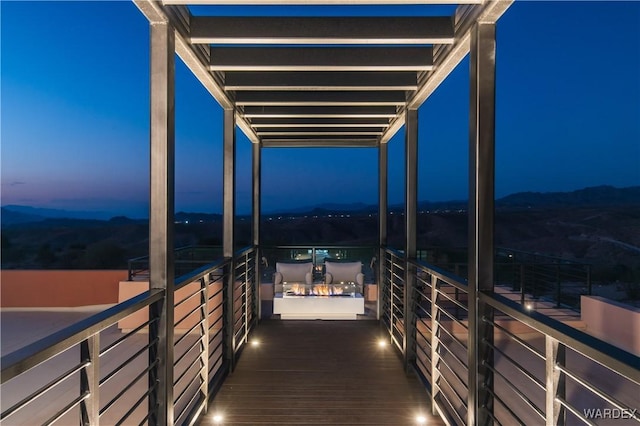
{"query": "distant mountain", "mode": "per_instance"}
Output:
(588, 197)
(329, 208)
(11, 217)
(45, 213)
(593, 196)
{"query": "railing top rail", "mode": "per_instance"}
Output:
(243, 251)
(33, 354)
(441, 274)
(200, 272)
(619, 360)
(322, 246)
(394, 252)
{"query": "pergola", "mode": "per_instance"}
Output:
(328, 82)
(323, 82)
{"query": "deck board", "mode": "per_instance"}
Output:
(320, 372)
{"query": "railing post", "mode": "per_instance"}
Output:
(555, 382)
(230, 346)
(90, 380)
(558, 286)
(589, 280)
(435, 325)
(247, 283)
(522, 284)
(204, 338)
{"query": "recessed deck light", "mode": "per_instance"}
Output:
(382, 343)
(217, 419)
(421, 420)
(255, 343)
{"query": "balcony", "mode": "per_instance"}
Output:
(181, 351)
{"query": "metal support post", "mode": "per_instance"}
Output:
(481, 220)
(383, 166)
(229, 213)
(90, 380)
(161, 220)
(555, 382)
(256, 212)
(410, 217)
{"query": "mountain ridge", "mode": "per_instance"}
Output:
(603, 195)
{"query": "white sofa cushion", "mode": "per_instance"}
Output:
(293, 272)
(344, 271)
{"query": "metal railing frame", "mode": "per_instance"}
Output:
(437, 307)
(194, 384)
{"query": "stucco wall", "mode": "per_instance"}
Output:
(59, 289)
(613, 322)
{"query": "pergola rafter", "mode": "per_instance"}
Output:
(339, 63)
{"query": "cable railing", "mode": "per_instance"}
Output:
(105, 369)
(529, 276)
(186, 260)
(74, 365)
(392, 297)
(538, 370)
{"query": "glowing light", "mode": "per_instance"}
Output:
(255, 343)
(528, 306)
(421, 420)
(218, 418)
(382, 343)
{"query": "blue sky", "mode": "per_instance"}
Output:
(75, 95)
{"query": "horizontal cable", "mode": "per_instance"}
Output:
(41, 391)
(451, 317)
(184, 354)
(70, 406)
(188, 332)
(456, 375)
(454, 301)
(610, 399)
(504, 405)
(186, 316)
(121, 339)
(517, 365)
(515, 338)
(128, 361)
(195, 293)
(575, 412)
(448, 333)
(133, 408)
(187, 387)
(140, 375)
(452, 408)
(517, 391)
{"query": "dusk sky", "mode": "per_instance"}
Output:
(75, 114)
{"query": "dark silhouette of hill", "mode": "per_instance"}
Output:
(598, 225)
(594, 196)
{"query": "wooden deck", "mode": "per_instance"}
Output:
(320, 372)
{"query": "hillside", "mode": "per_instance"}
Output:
(596, 225)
